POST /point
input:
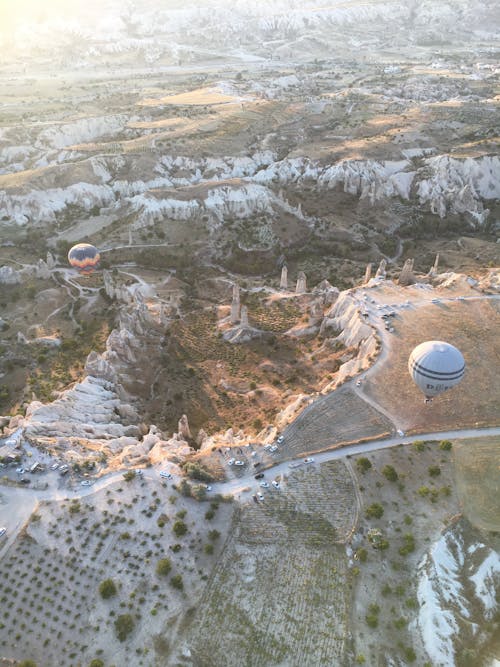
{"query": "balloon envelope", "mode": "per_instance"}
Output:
(84, 257)
(436, 366)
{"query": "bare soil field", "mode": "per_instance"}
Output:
(473, 327)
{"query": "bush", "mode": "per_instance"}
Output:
(390, 473)
(129, 475)
(446, 445)
(434, 471)
(107, 588)
(124, 625)
(408, 546)
(257, 424)
(96, 662)
(163, 567)
(198, 471)
(27, 663)
(419, 445)
(362, 555)
(375, 510)
(371, 620)
(423, 491)
(176, 582)
(208, 549)
(363, 464)
(410, 654)
(179, 528)
(213, 535)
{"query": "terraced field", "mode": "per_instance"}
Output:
(335, 419)
(280, 593)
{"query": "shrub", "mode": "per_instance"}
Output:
(129, 475)
(27, 663)
(423, 491)
(176, 582)
(208, 549)
(96, 662)
(124, 625)
(371, 620)
(209, 515)
(410, 654)
(390, 473)
(107, 588)
(419, 445)
(375, 510)
(408, 546)
(434, 471)
(363, 464)
(198, 471)
(446, 445)
(213, 535)
(179, 528)
(257, 424)
(163, 567)
(362, 555)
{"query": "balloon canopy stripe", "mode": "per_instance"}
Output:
(436, 375)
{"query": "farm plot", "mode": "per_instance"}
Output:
(280, 593)
(151, 546)
(332, 420)
(476, 468)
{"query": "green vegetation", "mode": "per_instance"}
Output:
(124, 625)
(363, 464)
(96, 662)
(445, 445)
(371, 617)
(198, 471)
(419, 445)
(434, 471)
(390, 473)
(129, 475)
(107, 588)
(179, 528)
(408, 546)
(176, 582)
(375, 510)
(163, 567)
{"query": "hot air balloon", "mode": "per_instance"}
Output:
(84, 257)
(436, 366)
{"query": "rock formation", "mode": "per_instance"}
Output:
(368, 273)
(183, 427)
(284, 277)
(381, 269)
(235, 305)
(433, 271)
(406, 277)
(301, 286)
(244, 317)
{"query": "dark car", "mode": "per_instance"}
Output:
(257, 464)
(260, 475)
(25, 480)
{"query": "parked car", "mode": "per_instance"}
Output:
(165, 474)
(280, 439)
(231, 462)
(260, 496)
(273, 449)
(400, 433)
(239, 463)
(309, 460)
(264, 485)
(3, 531)
(54, 466)
(25, 480)
(259, 475)
(257, 464)
(208, 487)
(20, 471)
(358, 383)
(275, 484)
(139, 472)
(86, 482)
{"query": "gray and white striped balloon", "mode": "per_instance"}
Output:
(436, 366)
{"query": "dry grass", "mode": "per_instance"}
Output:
(473, 327)
(477, 466)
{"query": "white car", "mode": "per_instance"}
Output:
(400, 433)
(231, 462)
(20, 470)
(267, 447)
(139, 472)
(86, 482)
(273, 449)
(358, 383)
(264, 485)
(208, 487)
(309, 460)
(11, 442)
(280, 439)
(260, 496)
(54, 466)
(435, 301)
(3, 531)
(165, 474)
(275, 484)
(253, 454)
(239, 463)
(461, 298)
